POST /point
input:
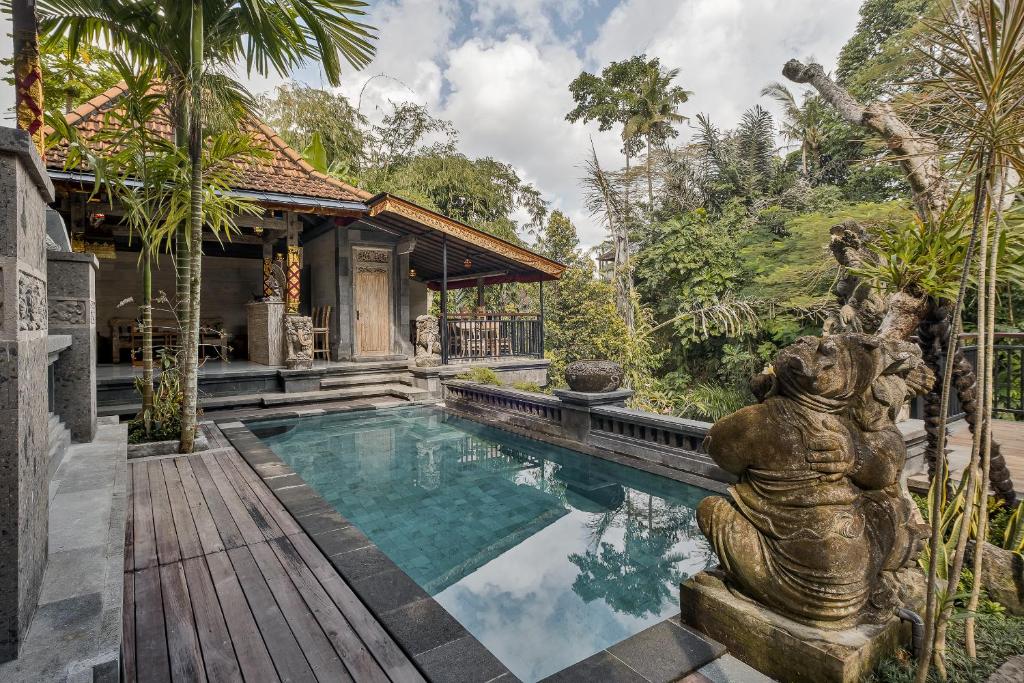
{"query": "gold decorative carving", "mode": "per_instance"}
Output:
(467, 234)
(373, 255)
(99, 249)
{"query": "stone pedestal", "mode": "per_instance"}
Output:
(72, 311)
(24, 192)
(265, 323)
(779, 647)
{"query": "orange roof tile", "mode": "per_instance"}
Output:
(285, 172)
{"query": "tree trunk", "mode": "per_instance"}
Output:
(650, 179)
(190, 398)
(147, 336)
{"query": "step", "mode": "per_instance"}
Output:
(58, 442)
(403, 377)
(360, 368)
(365, 391)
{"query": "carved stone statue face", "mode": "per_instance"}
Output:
(834, 367)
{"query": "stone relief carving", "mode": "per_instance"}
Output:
(428, 342)
(31, 303)
(273, 284)
(818, 525)
(298, 331)
(69, 312)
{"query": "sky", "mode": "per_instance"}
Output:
(499, 69)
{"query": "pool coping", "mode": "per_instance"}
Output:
(441, 647)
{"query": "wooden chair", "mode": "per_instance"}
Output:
(322, 332)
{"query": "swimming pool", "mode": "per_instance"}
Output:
(544, 554)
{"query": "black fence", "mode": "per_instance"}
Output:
(1008, 368)
(494, 336)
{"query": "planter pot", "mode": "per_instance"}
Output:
(593, 376)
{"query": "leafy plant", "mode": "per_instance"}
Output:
(165, 415)
(1013, 536)
(527, 386)
(480, 375)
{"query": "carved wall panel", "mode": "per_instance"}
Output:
(31, 303)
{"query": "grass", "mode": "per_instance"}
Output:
(481, 376)
(998, 637)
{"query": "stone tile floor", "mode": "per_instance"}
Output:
(75, 634)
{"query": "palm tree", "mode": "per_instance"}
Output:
(191, 43)
(803, 124)
(654, 115)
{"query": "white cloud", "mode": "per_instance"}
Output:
(500, 69)
(726, 50)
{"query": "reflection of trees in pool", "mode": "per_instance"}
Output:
(640, 577)
(636, 580)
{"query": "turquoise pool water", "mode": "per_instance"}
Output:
(544, 554)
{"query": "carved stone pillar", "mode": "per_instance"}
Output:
(72, 311)
(25, 190)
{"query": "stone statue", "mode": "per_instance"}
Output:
(428, 342)
(818, 525)
(298, 332)
(273, 284)
(860, 307)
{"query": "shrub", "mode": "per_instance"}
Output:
(480, 375)
(527, 386)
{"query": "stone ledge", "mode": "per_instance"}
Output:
(75, 257)
(779, 647)
(19, 143)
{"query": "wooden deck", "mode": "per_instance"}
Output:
(221, 584)
(1009, 435)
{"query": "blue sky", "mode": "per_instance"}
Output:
(499, 69)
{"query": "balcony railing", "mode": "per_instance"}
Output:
(1008, 366)
(497, 335)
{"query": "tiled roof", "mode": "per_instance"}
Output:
(286, 172)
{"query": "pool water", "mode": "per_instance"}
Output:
(544, 554)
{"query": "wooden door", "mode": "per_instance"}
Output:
(373, 302)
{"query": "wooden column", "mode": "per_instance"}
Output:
(444, 299)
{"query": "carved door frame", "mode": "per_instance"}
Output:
(361, 261)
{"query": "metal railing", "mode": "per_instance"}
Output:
(1008, 368)
(1009, 377)
(497, 335)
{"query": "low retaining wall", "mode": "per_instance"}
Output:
(591, 422)
(600, 424)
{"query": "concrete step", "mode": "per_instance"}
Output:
(402, 377)
(59, 439)
(363, 391)
(362, 367)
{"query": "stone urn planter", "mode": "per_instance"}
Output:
(594, 376)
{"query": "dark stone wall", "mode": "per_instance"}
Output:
(24, 192)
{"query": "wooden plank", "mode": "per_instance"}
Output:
(145, 534)
(257, 511)
(150, 640)
(209, 537)
(288, 658)
(380, 643)
(347, 644)
(129, 523)
(128, 627)
(253, 658)
(166, 535)
(214, 639)
(246, 526)
(226, 526)
(182, 642)
(188, 536)
(283, 518)
(318, 649)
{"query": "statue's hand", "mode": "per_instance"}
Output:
(830, 457)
